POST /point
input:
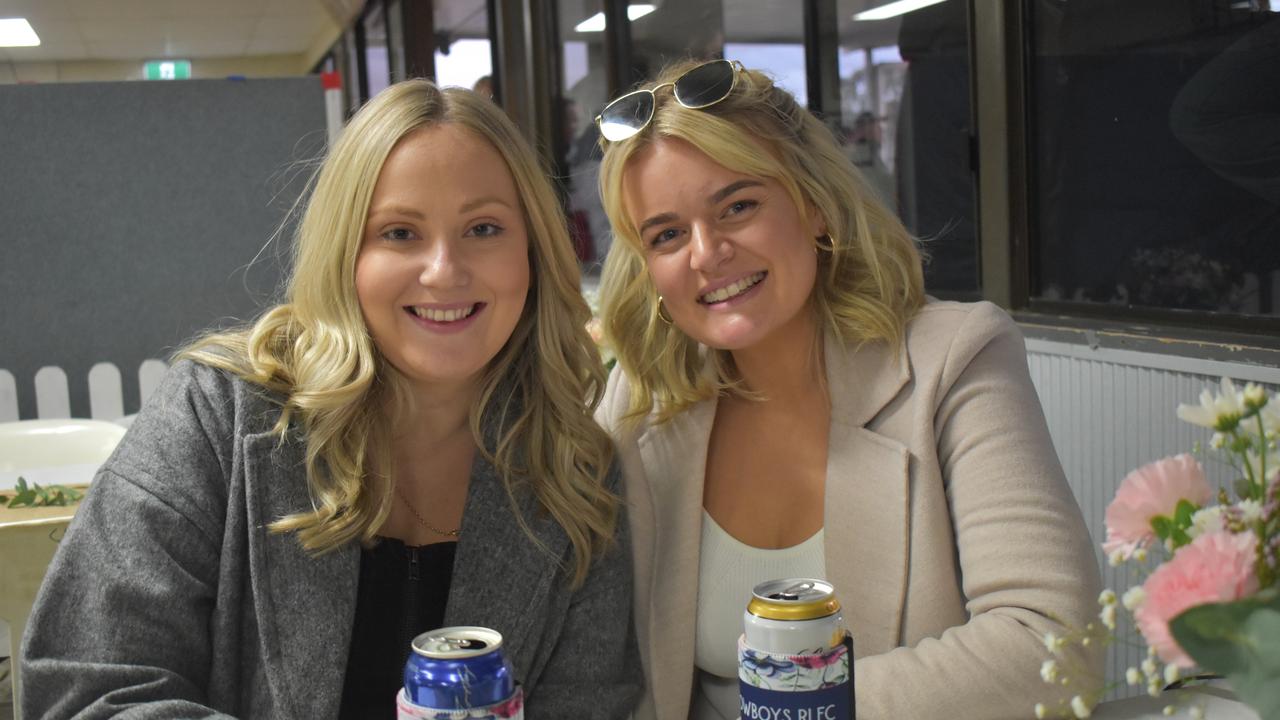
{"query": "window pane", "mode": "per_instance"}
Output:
(581, 29)
(1156, 156)
(377, 60)
(905, 118)
(762, 36)
(463, 55)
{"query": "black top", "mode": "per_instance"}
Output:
(402, 594)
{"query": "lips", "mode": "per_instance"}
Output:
(731, 290)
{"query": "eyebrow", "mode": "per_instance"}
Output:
(410, 212)
(716, 197)
(397, 210)
(732, 188)
(481, 202)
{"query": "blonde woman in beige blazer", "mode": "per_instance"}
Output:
(781, 373)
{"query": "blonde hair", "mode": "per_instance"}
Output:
(869, 282)
(533, 416)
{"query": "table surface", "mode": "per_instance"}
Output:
(1218, 704)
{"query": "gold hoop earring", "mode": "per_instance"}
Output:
(663, 314)
(829, 246)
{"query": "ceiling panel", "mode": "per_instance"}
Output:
(150, 29)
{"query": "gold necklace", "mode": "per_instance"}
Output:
(427, 525)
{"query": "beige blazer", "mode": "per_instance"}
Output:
(951, 536)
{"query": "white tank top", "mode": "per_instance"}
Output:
(727, 571)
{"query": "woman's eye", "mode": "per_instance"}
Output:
(665, 236)
(741, 206)
(398, 234)
(485, 230)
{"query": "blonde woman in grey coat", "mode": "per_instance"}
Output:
(405, 443)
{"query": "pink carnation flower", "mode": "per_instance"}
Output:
(1151, 490)
(1215, 567)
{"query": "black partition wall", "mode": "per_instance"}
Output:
(135, 214)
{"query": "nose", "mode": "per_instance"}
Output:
(708, 249)
(444, 265)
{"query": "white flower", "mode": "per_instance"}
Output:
(1255, 396)
(1140, 554)
(1197, 712)
(1153, 688)
(1171, 674)
(1150, 669)
(1219, 412)
(1079, 707)
(1133, 676)
(1116, 558)
(1271, 418)
(1049, 671)
(1168, 710)
(1206, 520)
(1108, 597)
(1133, 598)
(1218, 441)
(1053, 643)
(1108, 616)
(1041, 711)
(1250, 510)
(1256, 469)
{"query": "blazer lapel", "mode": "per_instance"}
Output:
(501, 579)
(674, 455)
(868, 493)
(304, 604)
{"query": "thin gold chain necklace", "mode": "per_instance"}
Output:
(427, 525)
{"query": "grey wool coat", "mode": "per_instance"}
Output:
(169, 597)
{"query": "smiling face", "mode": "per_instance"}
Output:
(730, 254)
(443, 268)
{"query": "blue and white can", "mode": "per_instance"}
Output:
(459, 673)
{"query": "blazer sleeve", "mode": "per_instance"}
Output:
(121, 623)
(594, 671)
(1026, 563)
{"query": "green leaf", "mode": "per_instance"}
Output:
(1182, 514)
(1162, 526)
(1240, 640)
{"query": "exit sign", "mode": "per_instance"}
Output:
(167, 70)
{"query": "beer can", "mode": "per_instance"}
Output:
(794, 616)
(457, 668)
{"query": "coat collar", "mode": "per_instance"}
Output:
(305, 605)
(866, 513)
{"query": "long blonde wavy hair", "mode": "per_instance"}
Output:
(533, 416)
(869, 283)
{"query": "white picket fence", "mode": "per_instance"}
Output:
(106, 393)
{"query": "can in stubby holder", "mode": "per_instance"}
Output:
(795, 658)
(459, 673)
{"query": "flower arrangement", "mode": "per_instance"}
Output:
(1212, 600)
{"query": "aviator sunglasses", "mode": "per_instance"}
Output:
(700, 87)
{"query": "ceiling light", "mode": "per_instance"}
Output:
(894, 9)
(17, 32)
(595, 23)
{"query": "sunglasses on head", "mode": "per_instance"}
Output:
(700, 87)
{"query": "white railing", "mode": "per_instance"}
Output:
(53, 396)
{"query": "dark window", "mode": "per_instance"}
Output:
(906, 120)
(1155, 156)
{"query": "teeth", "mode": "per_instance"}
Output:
(443, 315)
(737, 288)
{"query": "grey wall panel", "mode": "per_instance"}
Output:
(131, 212)
(1110, 412)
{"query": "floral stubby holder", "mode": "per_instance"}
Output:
(775, 686)
(1211, 604)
